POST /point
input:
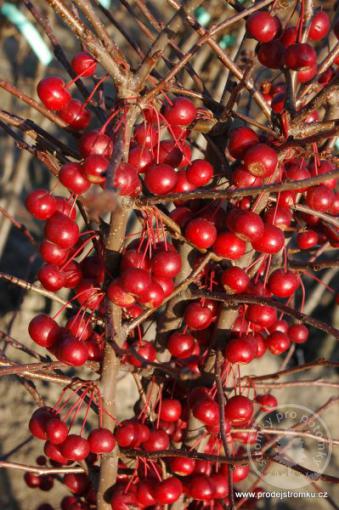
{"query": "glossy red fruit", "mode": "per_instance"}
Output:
(38, 422)
(94, 142)
(158, 440)
(181, 112)
(229, 246)
(263, 315)
(94, 168)
(239, 410)
(262, 26)
(53, 452)
(89, 295)
(75, 448)
(136, 259)
(61, 230)
(73, 179)
(153, 296)
(135, 281)
(140, 158)
(200, 172)
(282, 283)
(271, 242)
(182, 185)
(180, 345)
(77, 483)
(200, 488)
(241, 139)
(170, 410)
(166, 264)
(168, 491)
(57, 431)
(307, 74)
(52, 253)
(260, 160)
(76, 115)
(123, 499)
(240, 472)
(80, 326)
(235, 280)
(320, 198)
(298, 333)
(41, 204)
(169, 153)
(271, 54)
(167, 285)
(182, 466)
(146, 135)
(278, 342)
(220, 485)
(160, 179)
(126, 180)
(207, 411)
(66, 207)
(43, 330)
(240, 350)
(279, 325)
(201, 232)
(126, 434)
(319, 26)
(32, 480)
(83, 64)
(51, 277)
(53, 93)
(289, 36)
(118, 295)
(280, 216)
(101, 440)
(72, 274)
(145, 351)
(241, 178)
(300, 56)
(145, 493)
(72, 351)
(245, 224)
(267, 402)
(198, 316)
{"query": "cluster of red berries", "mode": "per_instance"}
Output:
(159, 163)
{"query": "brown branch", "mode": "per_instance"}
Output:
(294, 370)
(40, 470)
(238, 192)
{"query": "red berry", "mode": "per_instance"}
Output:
(198, 316)
(83, 64)
(201, 488)
(160, 179)
(278, 342)
(101, 441)
(146, 135)
(169, 153)
(241, 178)
(145, 352)
(183, 466)
(72, 178)
(57, 431)
(245, 224)
(271, 54)
(80, 327)
(207, 411)
(41, 204)
(263, 315)
(38, 422)
(53, 93)
(180, 345)
(166, 264)
(96, 143)
(234, 279)
(240, 350)
(289, 36)
(262, 26)
(126, 180)
(280, 217)
(239, 410)
(320, 198)
(76, 115)
(181, 113)
(72, 351)
(135, 281)
(140, 158)
(77, 483)
(260, 160)
(43, 330)
(267, 402)
(158, 440)
(200, 172)
(299, 56)
(51, 277)
(118, 295)
(241, 139)
(94, 168)
(168, 491)
(75, 448)
(201, 232)
(170, 410)
(282, 283)
(298, 333)
(229, 246)
(61, 230)
(319, 26)
(271, 242)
